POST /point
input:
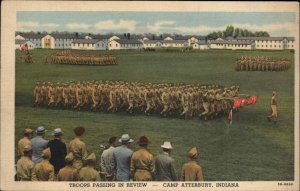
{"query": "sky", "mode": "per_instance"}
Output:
(197, 23)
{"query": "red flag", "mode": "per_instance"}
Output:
(236, 102)
(253, 99)
(230, 116)
(243, 101)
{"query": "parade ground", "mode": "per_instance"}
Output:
(250, 149)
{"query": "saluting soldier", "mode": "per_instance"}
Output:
(78, 148)
(142, 162)
(44, 171)
(192, 171)
(88, 173)
(274, 108)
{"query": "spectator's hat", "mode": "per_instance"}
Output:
(167, 145)
(69, 157)
(193, 153)
(143, 140)
(91, 157)
(40, 129)
(46, 153)
(57, 131)
(79, 131)
(28, 131)
(125, 138)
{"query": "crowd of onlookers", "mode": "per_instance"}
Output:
(43, 160)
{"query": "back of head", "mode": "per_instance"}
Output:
(46, 154)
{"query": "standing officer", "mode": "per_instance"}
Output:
(78, 148)
(58, 151)
(142, 162)
(106, 159)
(121, 159)
(44, 171)
(38, 144)
(24, 141)
(274, 108)
(25, 164)
(191, 171)
(88, 173)
(165, 164)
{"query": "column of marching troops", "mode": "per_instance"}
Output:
(43, 160)
(169, 100)
(65, 57)
(247, 63)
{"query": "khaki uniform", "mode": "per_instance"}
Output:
(43, 171)
(21, 144)
(274, 106)
(24, 168)
(68, 173)
(78, 148)
(88, 173)
(191, 171)
(142, 165)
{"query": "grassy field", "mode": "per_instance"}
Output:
(252, 149)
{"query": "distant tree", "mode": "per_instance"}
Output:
(128, 36)
(236, 32)
(229, 31)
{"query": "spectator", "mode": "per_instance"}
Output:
(191, 171)
(44, 171)
(25, 164)
(88, 173)
(68, 173)
(38, 144)
(24, 141)
(106, 160)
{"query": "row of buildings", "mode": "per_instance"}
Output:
(115, 42)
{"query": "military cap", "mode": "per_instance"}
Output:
(28, 131)
(46, 153)
(91, 157)
(69, 157)
(27, 148)
(193, 153)
(79, 131)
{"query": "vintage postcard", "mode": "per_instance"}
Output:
(141, 95)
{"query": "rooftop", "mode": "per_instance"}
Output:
(88, 41)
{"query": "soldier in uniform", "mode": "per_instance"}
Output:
(68, 173)
(37, 92)
(191, 171)
(51, 95)
(88, 173)
(274, 108)
(24, 141)
(25, 164)
(44, 171)
(142, 162)
(78, 148)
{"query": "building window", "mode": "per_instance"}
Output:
(279, 46)
(288, 45)
(116, 45)
(262, 45)
(275, 46)
(109, 45)
(257, 46)
(266, 45)
(97, 45)
(271, 46)
(292, 46)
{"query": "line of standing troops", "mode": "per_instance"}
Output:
(43, 160)
(169, 100)
(246, 63)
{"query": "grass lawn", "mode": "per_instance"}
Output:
(252, 149)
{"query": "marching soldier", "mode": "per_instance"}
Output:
(142, 162)
(37, 92)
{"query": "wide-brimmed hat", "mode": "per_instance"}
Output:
(125, 138)
(193, 152)
(143, 140)
(28, 131)
(79, 131)
(167, 145)
(57, 131)
(40, 129)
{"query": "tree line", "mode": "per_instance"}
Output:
(236, 32)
